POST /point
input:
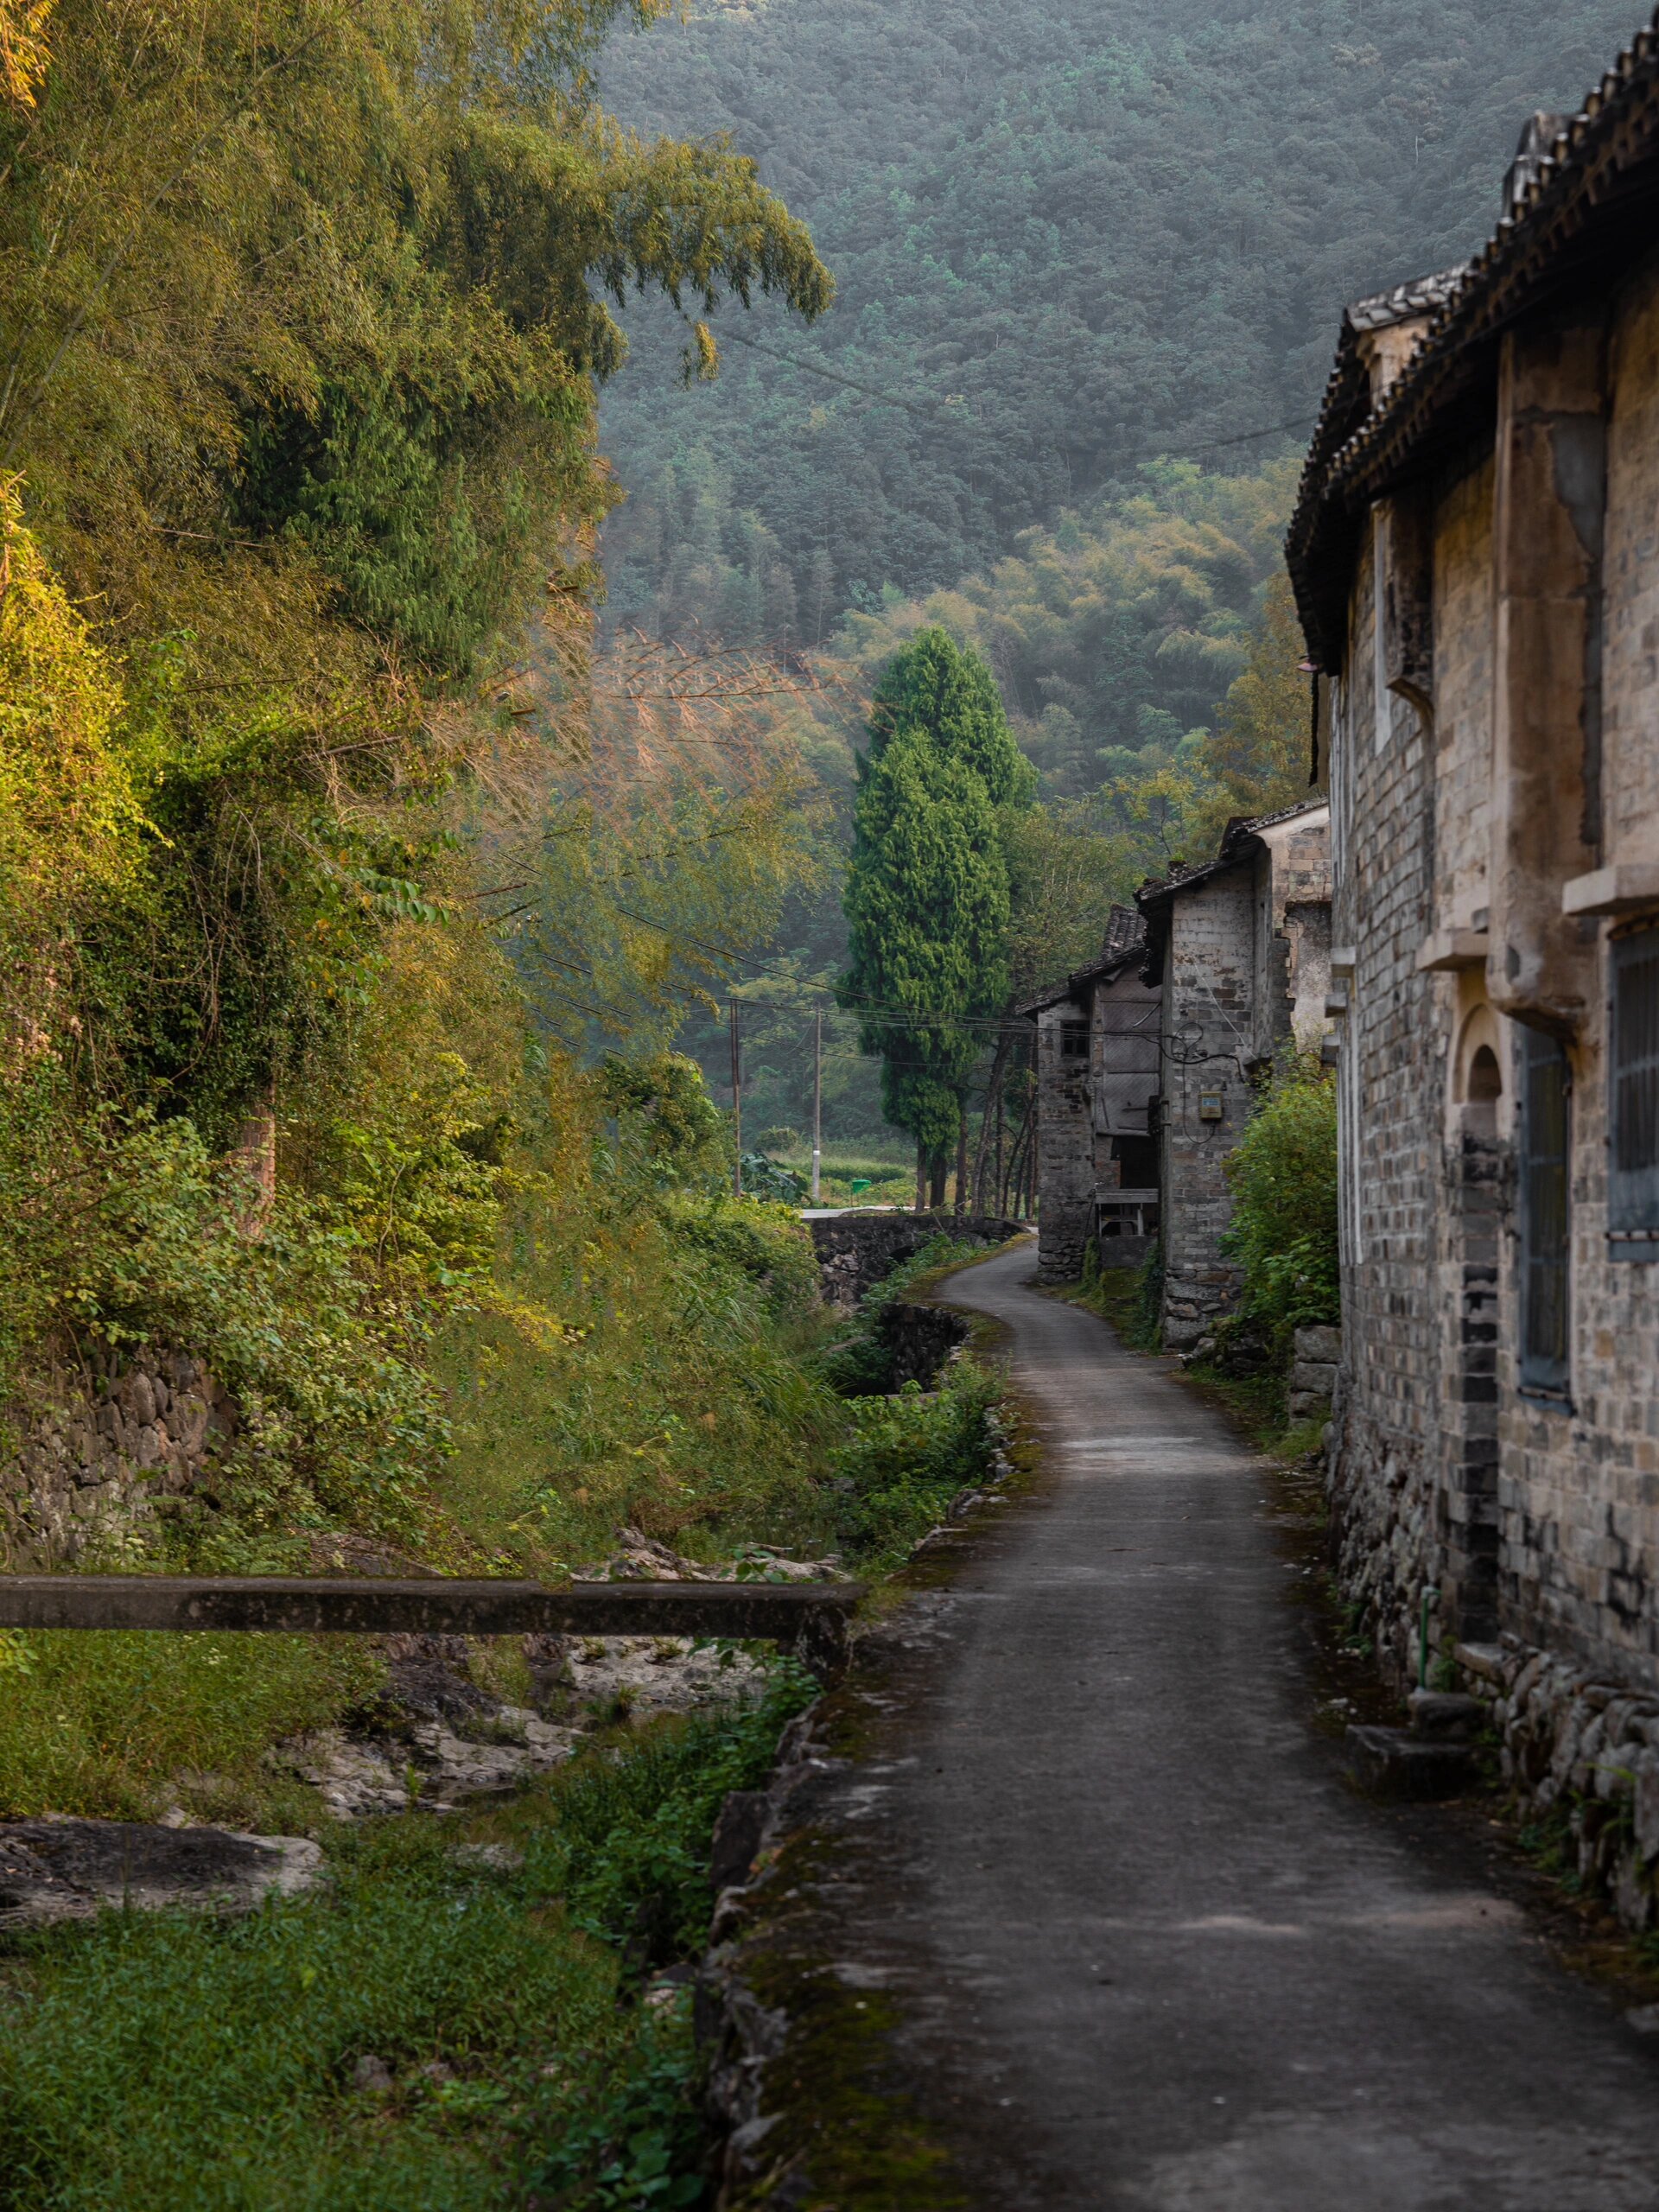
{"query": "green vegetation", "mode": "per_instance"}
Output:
(119, 1726)
(305, 312)
(1282, 1173)
(910, 1455)
(1066, 239)
(154, 2060)
(350, 892)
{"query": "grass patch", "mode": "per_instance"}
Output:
(105, 1724)
(676, 1392)
(151, 2061)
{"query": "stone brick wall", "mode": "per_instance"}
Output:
(1387, 1401)
(1209, 1016)
(1246, 967)
(106, 1441)
(1535, 1520)
(1065, 1143)
(859, 1247)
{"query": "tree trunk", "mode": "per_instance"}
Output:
(961, 1157)
(921, 1177)
(254, 1155)
(993, 1095)
(1019, 1157)
(938, 1182)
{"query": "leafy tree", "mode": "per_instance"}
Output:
(927, 897)
(1258, 757)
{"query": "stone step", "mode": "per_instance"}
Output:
(1392, 1762)
(1445, 1716)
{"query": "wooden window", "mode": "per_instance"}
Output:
(1633, 1177)
(1545, 1127)
(1074, 1040)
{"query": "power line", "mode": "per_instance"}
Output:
(943, 411)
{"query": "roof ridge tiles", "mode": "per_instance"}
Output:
(1334, 460)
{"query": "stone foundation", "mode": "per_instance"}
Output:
(1384, 1547)
(1582, 1751)
(1313, 1372)
(1574, 1747)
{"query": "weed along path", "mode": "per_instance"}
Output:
(1115, 1931)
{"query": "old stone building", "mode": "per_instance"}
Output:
(1098, 1075)
(1240, 951)
(1476, 554)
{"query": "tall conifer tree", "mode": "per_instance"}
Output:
(927, 892)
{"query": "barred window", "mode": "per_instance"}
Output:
(1074, 1040)
(1633, 1178)
(1546, 1110)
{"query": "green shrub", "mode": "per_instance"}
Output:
(147, 1245)
(761, 1239)
(630, 1850)
(1282, 1173)
(908, 1456)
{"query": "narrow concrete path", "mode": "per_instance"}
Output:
(1153, 1953)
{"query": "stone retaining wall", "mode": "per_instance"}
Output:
(858, 1249)
(105, 1439)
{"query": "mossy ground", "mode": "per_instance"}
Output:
(151, 2061)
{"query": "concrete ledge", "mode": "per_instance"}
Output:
(1449, 951)
(1621, 889)
(797, 1614)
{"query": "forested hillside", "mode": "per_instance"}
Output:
(1066, 236)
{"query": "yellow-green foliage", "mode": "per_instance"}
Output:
(640, 1359)
(69, 817)
(301, 303)
(303, 307)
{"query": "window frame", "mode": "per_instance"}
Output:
(1632, 1193)
(1545, 1211)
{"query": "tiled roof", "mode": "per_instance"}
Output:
(1593, 184)
(1125, 940)
(1125, 931)
(1399, 305)
(1237, 841)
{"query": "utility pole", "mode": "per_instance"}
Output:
(737, 1107)
(817, 1100)
(1001, 1188)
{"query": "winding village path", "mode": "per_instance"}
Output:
(1145, 1946)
